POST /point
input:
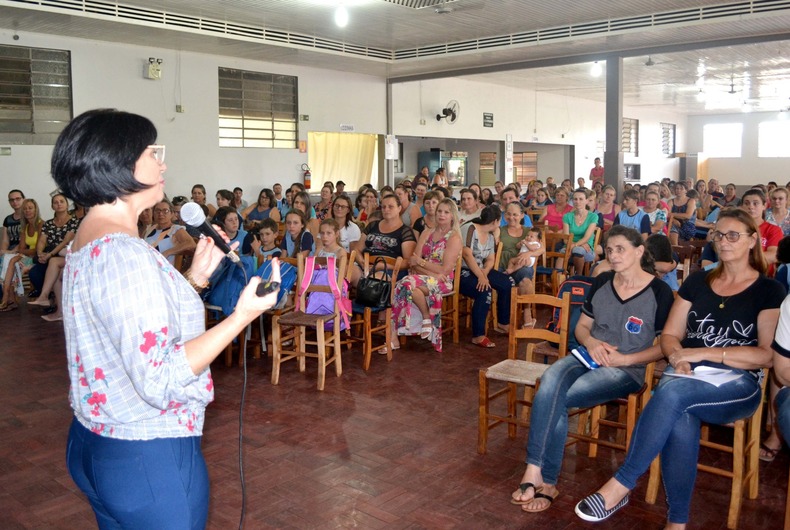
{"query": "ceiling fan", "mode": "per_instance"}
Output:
(450, 112)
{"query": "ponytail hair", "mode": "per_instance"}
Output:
(488, 215)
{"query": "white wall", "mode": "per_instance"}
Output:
(533, 120)
(749, 169)
(110, 75)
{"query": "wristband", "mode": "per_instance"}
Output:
(196, 286)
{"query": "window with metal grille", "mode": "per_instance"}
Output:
(258, 109)
(668, 139)
(35, 94)
(630, 136)
(525, 167)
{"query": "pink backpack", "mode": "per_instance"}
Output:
(324, 303)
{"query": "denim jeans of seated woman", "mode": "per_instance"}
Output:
(670, 425)
(568, 384)
(481, 300)
(783, 412)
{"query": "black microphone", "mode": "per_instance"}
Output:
(192, 215)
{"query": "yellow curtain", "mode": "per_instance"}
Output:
(340, 156)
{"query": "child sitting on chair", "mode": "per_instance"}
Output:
(329, 236)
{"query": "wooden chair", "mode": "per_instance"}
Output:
(298, 321)
(745, 469)
(588, 265)
(451, 312)
(513, 371)
(592, 419)
(213, 316)
(373, 326)
(554, 264)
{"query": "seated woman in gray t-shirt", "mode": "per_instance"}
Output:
(624, 312)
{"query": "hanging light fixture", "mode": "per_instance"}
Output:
(596, 69)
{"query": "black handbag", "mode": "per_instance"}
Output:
(372, 291)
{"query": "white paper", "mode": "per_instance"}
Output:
(707, 374)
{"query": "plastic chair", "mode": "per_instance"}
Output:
(514, 372)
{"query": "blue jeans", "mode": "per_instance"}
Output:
(523, 273)
(568, 384)
(670, 425)
(500, 282)
(783, 411)
(160, 483)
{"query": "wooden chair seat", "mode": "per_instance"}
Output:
(299, 318)
(515, 371)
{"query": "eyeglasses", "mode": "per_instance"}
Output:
(340, 206)
(14, 199)
(731, 236)
(162, 211)
(159, 152)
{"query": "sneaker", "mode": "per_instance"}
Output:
(593, 508)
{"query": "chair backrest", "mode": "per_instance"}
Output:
(393, 265)
(553, 241)
(517, 332)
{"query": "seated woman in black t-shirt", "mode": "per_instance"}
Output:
(725, 319)
(388, 237)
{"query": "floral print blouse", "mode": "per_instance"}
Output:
(127, 314)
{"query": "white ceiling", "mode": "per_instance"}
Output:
(488, 36)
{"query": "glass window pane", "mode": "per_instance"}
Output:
(250, 101)
(722, 140)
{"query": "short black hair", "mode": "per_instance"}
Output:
(22, 193)
(269, 223)
(226, 194)
(94, 157)
(222, 213)
(237, 189)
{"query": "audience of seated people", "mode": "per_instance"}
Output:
(437, 232)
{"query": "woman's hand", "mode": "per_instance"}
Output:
(414, 260)
(601, 352)
(483, 284)
(250, 305)
(207, 256)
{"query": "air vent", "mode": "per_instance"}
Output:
(420, 4)
(119, 12)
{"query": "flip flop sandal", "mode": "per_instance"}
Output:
(539, 495)
(485, 343)
(523, 487)
(770, 454)
(8, 307)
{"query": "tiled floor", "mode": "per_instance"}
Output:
(390, 448)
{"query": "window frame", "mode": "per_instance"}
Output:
(36, 94)
(255, 107)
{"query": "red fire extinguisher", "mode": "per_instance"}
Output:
(307, 175)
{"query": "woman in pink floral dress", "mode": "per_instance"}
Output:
(431, 273)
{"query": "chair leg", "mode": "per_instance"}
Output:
(595, 428)
(737, 471)
(388, 333)
(753, 456)
(455, 319)
(338, 356)
(319, 339)
(367, 334)
(300, 346)
(512, 412)
(482, 413)
(276, 349)
(654, 481)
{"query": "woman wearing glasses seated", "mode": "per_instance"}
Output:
(168, 238)
(342, 212)
(726, 319)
